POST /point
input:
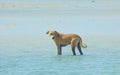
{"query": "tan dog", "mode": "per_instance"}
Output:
(66, 39)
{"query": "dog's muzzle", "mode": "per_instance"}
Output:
(47, 32)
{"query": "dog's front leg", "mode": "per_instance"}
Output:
(59, 49)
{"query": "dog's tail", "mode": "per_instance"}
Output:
(81, 44)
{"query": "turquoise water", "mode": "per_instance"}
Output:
(33, 55)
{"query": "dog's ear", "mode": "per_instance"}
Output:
(47, 32)
(56, 33)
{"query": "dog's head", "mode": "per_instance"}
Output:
(52, 33)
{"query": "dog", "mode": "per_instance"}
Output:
(62, 40)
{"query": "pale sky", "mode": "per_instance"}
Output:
(77, 16)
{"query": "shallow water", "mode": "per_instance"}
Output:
(30, 57)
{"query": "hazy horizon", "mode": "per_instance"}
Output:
(94, 17)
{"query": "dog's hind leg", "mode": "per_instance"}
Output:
(73, 45)
(73, 50)
(79, 48)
